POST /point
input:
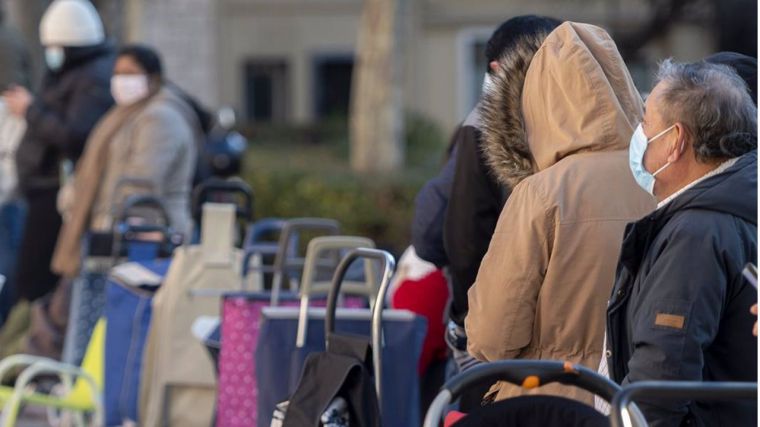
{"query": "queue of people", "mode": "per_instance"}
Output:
(573, 220)
(112, 113)
(624, 229)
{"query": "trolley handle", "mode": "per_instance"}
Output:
(145, 201)
(288, 241)
(233, 187)
(388, 267)
(623, 406)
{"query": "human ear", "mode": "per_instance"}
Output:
(679, 144)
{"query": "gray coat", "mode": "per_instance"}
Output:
(158, 144)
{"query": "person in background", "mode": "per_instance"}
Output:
(542, 287)
(680, 308)
(74, 95)
(152, 134)
(15, 70)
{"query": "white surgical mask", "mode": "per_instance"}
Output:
(636, 151)
(127, 89)
(54, 57)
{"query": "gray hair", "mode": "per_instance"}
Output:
(714, 105)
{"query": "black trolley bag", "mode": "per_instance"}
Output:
(346, 374)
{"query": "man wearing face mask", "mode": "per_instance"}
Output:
(73, 96)
(680, 307)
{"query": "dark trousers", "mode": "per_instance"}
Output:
(33, 276)
(12, 214)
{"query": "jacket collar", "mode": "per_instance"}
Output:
(734, 192)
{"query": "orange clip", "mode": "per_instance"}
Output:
(531, 382)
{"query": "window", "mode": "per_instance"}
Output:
(332, 86)
(266, 91)
(471, 66)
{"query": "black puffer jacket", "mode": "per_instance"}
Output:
(476, 201)
(680, 306)
(69, 104)
(430, 208)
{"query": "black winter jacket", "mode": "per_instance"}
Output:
(680, 306)
(70, 103)
(474, 207)
(429, 210)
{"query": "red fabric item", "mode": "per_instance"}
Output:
(452, 418)
(427, 297)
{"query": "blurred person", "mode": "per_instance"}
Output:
(73, 96)
(680, 308)
(151, 134)
(14, 70)
(562, 141)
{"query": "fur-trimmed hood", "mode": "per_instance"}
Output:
(567, 94)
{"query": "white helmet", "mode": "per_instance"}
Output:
(71, 23)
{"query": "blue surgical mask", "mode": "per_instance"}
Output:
(636, 150)
(54, 57)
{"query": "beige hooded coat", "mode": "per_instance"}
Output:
(543, 286)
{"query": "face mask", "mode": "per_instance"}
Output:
(54, 57)
(127, 89)
(636, 152)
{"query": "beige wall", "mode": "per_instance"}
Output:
(186, 34)
(207, 42)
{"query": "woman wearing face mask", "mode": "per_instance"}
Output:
(151, 134)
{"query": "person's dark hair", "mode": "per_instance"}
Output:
(148, 58)
(745, 66)
(714, 105)
(513, 30)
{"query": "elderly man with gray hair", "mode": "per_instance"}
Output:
(680, 309)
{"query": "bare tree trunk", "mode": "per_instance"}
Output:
(376, 126)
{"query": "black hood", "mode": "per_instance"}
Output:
(733, 192)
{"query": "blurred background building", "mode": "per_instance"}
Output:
(291, 61)
(287, 67)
